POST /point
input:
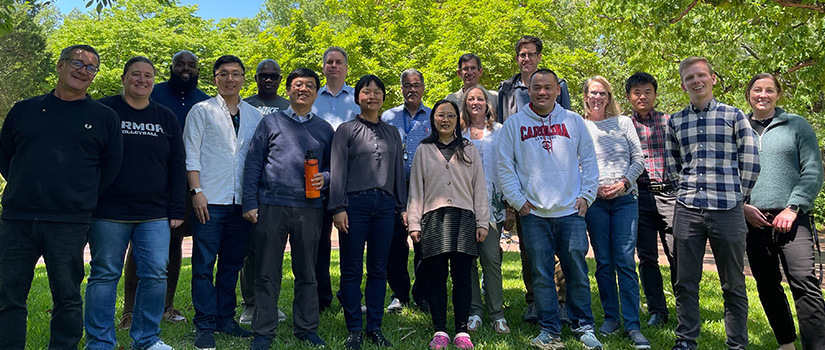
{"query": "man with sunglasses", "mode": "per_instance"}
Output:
(267, 101)
(58, 152)
(216, 136)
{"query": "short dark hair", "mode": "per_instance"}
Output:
(640, 78)
(544, 71)
(66, 54)
(177, 55)
(302, 72)
(467, 57)
(366, 80)
(225, 59)
(529, 39)
(134, 60)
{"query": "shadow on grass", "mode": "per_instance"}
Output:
(413, 329)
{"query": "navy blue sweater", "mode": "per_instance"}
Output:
(57, 157)
(274, 168)
(151, 183)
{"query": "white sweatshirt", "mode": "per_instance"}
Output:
(547, 161)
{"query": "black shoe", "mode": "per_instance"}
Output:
(657, 319)
(261, 342)
(313, 340)
(530, 314)
(204, 340)
(682, 345)
(235, 330)
(423, 305)
(377, 338)
(354, 340)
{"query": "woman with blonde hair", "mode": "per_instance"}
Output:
(613, 217)
(481, 128)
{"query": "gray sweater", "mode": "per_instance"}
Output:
(618, 150)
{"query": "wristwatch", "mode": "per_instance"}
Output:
(195, 191)
(794, 208)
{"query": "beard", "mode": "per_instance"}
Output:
(176, 83)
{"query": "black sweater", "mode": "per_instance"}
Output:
(57, 157)
(151, 183)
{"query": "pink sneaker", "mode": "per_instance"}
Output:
(462, 341)
(440, 341)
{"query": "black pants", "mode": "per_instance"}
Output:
(22, 243)
(436, 269)
(655, 223)
(322, 262)
(301, 227)
(397, 276)
(795, 250)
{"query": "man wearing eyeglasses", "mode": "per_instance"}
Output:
(512, 97)
(58, 152)
(412, 119)
(267, 101)
(216, 136)
(470, 71)
(275, 199)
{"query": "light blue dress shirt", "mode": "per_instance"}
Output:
(413, 129)
(336, 109)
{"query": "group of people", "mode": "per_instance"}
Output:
(246, 176)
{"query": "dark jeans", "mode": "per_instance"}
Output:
(527, 271)
(322, 262)
(435, 267)
(22, 243)
(275, 225)
(795, 250)
(222, 239)
(655, 223)
(726, 231)
(371, 220)
(397, 276)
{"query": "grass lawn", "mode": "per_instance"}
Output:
(412, 329)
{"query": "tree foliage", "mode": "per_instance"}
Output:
(24, 60)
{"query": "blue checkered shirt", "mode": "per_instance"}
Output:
(712, 156)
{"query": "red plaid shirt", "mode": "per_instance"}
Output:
(652, 130)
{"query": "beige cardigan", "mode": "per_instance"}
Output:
(435, 183)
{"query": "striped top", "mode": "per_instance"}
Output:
(618, 150)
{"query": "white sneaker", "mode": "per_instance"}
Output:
(473, 323)
(281, 316)
(160, 345)
(395, 305)
(500, 325)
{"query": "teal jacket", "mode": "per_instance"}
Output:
(791, 164)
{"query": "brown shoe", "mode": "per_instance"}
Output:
(172, 315)
(125, 321)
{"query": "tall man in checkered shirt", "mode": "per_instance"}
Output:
(713, 160)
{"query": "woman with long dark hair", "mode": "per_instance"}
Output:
(779, 216)
(448, 214)
(367, 188)
(144, 202)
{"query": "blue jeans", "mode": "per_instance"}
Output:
(60, 244)
(226, 234)
(108, 241)
(371, 219)
(612, 225)
(544, 238)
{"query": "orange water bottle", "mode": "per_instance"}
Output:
(310, 169)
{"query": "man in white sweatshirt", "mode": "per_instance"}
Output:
(547, 168)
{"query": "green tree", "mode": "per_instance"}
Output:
(24, 58)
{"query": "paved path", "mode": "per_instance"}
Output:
(709, 264)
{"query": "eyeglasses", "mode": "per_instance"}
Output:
(78, 64)
(531, 55)
(597, 93)
(300, 85)
(234, 75)
(412, 86)
(469, 69)
(446, 116)
(269, 76)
